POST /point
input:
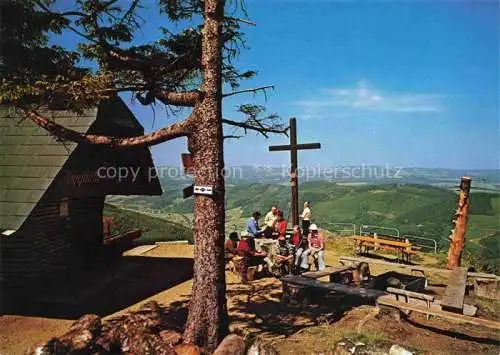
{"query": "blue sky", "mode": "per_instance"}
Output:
(402, 83)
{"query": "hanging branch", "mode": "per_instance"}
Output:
(162, 135)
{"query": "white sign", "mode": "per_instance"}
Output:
(203, 190)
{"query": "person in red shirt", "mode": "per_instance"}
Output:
(281, 225)
(231, 245)
(247, 250)
(296, 237)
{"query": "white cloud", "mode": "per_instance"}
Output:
(365, 97)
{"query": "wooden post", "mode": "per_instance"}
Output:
(294, 178)
(457, 238)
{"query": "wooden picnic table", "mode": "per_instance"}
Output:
(404, 249)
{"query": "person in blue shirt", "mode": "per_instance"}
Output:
(253, 228)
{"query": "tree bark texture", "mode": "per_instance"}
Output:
(207, 322)
(457, 238)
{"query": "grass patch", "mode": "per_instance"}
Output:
(323, 339)
(341, 245)
(329, 336)
(487, 308)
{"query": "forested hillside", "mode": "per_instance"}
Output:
(153, 229)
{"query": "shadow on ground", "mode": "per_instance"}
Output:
(104, 290)
(460, 335)
(256, 309)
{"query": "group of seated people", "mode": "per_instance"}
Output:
(293, 251)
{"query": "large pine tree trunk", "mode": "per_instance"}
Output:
(457, 238)
(207, 321)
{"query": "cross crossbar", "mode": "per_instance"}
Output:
(276, 148)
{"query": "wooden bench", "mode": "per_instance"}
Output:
(459, 318)
(410, 294)
(405, 249)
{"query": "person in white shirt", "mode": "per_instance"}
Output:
(269, 221)
(306, 218)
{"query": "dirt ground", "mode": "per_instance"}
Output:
(256, 311)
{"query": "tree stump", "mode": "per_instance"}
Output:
(460, 220)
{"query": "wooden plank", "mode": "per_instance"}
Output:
(139, 250)
(459, 318)
(469, 310)
(453, 299)
(352, 259)
(331, 286)
(435, 305)
(327, 271)
(421, 296)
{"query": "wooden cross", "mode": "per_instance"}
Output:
(293, 147)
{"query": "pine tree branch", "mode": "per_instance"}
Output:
(131, 9)
(247, 125)
(251, 23)
(115, 53)
(254, 90)
(162, 135)
(68, 13)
